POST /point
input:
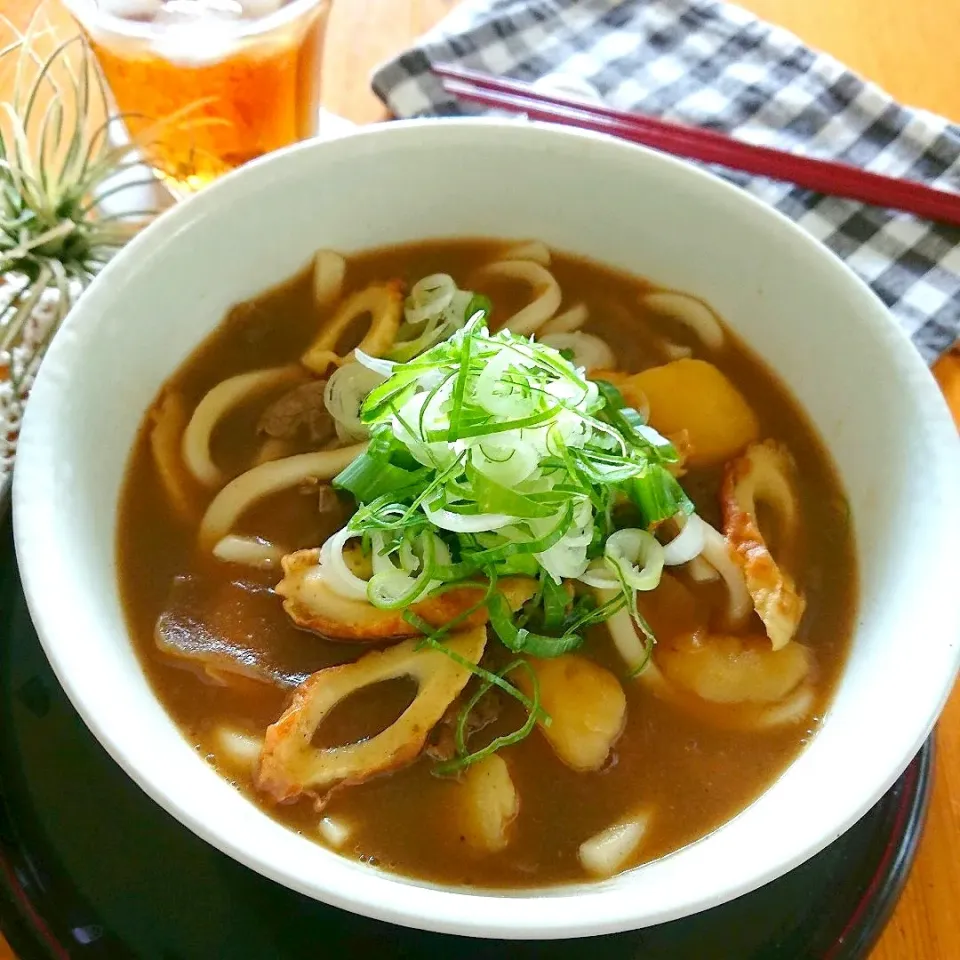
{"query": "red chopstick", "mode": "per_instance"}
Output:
(707, 146)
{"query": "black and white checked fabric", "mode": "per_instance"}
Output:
(715, 65)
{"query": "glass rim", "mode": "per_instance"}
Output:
(81, 11)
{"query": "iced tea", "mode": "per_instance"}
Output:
(243, 75)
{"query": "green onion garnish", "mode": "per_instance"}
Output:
(493, 455)
(463, 759)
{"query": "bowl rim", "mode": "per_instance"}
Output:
(446, 910)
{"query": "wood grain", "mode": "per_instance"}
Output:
(908, 48)
(895, 43)
(362, 34)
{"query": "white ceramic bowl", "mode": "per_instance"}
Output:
(832, 342)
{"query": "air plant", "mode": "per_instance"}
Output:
(62, 172)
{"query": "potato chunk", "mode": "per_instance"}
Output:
(587, 706)
(695, 396)
(729, 669)
(489, 805)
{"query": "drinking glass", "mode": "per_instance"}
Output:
(209, 84)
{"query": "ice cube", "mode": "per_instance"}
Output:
(256, 9)
(196, 32)
(131, 9)
(176, 13)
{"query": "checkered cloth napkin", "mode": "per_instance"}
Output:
(714, 65)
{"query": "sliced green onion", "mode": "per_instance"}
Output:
(637, 557)
(658, 496)
(480, 559)
(555, 600)
(491, 497)
(393, 588)
(464, 759)
(368, 478)
(521, 640)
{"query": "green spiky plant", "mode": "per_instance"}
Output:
(61, 174)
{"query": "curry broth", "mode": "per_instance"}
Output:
(694, 776)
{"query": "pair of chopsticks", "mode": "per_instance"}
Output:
(707, 146)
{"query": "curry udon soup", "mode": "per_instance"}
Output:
(486, 564)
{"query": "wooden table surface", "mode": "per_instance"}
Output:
(909, 49)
